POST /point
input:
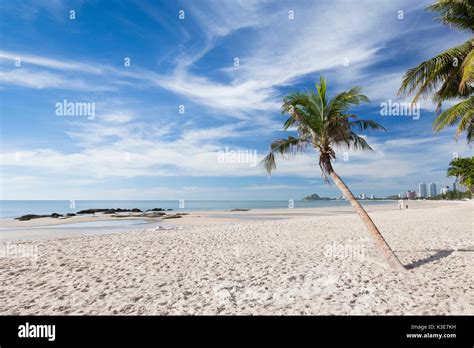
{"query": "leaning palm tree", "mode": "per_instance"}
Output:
(450, 74)
(324, 125)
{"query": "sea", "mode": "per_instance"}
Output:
(10, 209)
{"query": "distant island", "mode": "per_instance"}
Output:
(315, 197)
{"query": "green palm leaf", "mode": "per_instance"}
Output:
(321, 123)
(450, 74)
(455, 13)
(462, 113)
(429, 75)
(463, 170)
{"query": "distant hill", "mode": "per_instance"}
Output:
(315, 197)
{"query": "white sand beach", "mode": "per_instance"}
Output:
(323, 263)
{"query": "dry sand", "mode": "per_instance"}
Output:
(299, 265)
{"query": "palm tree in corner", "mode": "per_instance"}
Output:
(449, 76)
(324, 125)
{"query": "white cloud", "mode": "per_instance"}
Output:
(220, 18)
(27, 59)
(127, 152)
(393, 163)
(274, 187)
(282, 51)
(43, 79)
(118, 117)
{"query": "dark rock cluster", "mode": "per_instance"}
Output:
(155, 212)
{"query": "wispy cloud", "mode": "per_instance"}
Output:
(44, 79)
(51, 63)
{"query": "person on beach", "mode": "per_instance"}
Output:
(400, 204)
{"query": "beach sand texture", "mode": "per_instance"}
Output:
(301, 265)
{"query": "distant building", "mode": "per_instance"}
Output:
(422, 189)
(432, 192)
(362, 196)
(444, 190)
(372, 197)
(411, 194)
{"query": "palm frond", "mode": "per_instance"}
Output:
(462, 112)
(456, 13)
(467, 68)
(367, 124)
(426, 77)
(359, 143)
(284, 146)
(466, 125)
(342, 102)
(470, 131)
(463, 170)
(291, 145)
(269, 162)
(302, 112)
(321, 88)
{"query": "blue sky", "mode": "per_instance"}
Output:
(139, 145)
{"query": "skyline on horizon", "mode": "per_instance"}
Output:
(171, 94)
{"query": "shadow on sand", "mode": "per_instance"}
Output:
(437, 256)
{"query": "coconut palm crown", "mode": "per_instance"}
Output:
(321, 123)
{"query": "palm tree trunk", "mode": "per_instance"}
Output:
(374, 231)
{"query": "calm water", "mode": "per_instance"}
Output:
(11, 209)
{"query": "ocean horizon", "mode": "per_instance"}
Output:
(15, 208)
